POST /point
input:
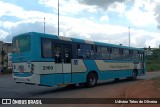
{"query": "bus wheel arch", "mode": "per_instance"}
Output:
(91, 79)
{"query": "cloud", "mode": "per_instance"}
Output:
(9, 9)
(157, 15)
(117, 7)
(28, 21)
(34, 27)
(104, 18)
(142, 13)
(73, 24)
(87, 29)
(104, 4)
(7, 24)
(68, 6)
(28, 27)
(3, 34)
(142, 38)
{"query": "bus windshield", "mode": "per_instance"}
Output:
(21, 44)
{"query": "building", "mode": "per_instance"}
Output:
(5, 48)
(148, 51)
(1, 42)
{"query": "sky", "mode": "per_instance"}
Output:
(106, 21)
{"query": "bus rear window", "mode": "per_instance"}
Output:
(21, 44)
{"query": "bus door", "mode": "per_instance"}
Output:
(62, 54)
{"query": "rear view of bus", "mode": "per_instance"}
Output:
(22, 55)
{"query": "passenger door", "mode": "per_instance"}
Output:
(63, 55)
(66, 63)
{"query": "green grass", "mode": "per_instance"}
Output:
(153, 67)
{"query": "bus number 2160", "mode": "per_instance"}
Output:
(47, 67)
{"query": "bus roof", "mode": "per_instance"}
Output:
(80, 40)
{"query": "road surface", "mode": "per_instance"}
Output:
(105, 89)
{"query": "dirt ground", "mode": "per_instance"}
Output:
(145, 89)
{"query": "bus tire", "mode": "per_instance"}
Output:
(91, 80)
(71, 85)
(116, 79)
(134, 75)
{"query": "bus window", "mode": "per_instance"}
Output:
(78, 46)
(125, 55)
(110, 50)
(105, 53)
(92, 52)
(86, 51)
(98, 53)
(21, 44)
(46, 48)
(131, 54)
(95, 48)
(121, 51)
(135, 56)
(115, 54)
(79, 51)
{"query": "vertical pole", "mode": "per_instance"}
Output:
(58, 17)
(44, 25)
(129, 35)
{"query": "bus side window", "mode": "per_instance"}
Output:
(125, 55)
(79, 51)
(131, 55)
(46, 48)
(112, 56)
(135, 55)
(85, 51)
(98, 53)
(92, 52)
(105, 53)
(121, 53)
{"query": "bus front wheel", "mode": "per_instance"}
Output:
(91, 79)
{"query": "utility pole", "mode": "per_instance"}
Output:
(58, 17)
(44, 25)
(129, 35)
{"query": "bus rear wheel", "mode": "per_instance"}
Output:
(91, 80)
(71, 86)
(134, 75)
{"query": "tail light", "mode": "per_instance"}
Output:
(32, 68)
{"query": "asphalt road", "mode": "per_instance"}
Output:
(105, 89)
